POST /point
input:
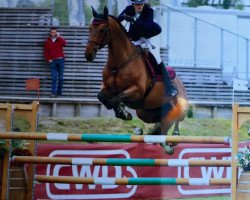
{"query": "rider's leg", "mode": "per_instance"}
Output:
(170, 88)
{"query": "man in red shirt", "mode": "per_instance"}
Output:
(53, 51)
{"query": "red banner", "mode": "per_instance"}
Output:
(182, 151)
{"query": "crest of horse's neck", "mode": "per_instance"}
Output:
(121, 48)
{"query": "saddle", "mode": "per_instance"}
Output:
(153, 68)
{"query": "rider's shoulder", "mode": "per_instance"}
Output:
(148, 8)
(129, 8)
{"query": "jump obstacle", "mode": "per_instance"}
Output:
(133, 181)
(240, 115)
(121, 161)
(7, 113)
(114, 138)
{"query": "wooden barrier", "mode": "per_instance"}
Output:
(240, 116)
(29, 112)
(114, 138)
(132, 181)
(121, 161)
(243, 187)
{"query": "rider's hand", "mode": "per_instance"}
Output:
(129, 18)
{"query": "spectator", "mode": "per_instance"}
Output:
(53, 51)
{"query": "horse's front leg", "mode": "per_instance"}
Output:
(105, 97)
(118, 105)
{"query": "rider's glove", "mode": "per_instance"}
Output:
(129, 18)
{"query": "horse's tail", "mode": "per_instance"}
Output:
(180, 87)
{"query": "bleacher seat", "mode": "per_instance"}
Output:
(22, 36)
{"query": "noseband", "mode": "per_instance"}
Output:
(100, 45)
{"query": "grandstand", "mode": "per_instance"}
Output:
(22, 35)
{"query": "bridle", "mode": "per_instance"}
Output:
(100, 45)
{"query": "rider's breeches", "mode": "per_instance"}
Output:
(154, 49)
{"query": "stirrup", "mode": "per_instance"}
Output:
(172, 91)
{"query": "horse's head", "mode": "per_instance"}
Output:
(99, 34)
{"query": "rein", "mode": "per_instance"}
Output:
(115, 70)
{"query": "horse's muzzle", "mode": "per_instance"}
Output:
(90, 53)
(89, 56)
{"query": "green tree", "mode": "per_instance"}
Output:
(88, 13)
(103, 3)
(226, 4)
(61, 11)
(196, 3)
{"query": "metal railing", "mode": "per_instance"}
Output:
(194, 42)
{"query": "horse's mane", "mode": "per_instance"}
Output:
(120, 24)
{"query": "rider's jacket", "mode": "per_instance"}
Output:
(144, 25)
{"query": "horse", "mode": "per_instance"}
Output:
(127, 81)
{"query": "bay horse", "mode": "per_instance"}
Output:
(128, 82)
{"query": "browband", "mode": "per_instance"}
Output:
(98, 21)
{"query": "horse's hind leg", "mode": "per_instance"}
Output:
(156, 130)
(176, 131)
(176, 128)
(168, 147)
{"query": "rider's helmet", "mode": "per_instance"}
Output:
(138, 1)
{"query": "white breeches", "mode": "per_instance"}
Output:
(146, 43)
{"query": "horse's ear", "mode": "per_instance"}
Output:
(105, 12)
(94, 12)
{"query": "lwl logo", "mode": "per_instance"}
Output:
(82, 191)
(204, 171)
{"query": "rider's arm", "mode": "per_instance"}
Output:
(121, 16)
(146, 23)
(129, 10)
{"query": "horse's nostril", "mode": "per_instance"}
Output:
(88, 57)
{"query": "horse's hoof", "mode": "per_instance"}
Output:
(169, 149)
(128, 116)
(138, 131)
(176, 133)
(123, 116)
(118, 115)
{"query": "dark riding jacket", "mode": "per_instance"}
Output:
(144, 26)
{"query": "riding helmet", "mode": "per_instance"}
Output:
(138, 1)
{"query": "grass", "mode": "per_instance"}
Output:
(189, 127)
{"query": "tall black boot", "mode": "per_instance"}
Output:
(170, 88)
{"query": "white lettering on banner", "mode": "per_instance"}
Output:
(56, 172)
(210, 172)
(118, 174)
(85, 172)
(205, 172)
(89, 171)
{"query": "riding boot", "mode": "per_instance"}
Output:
(169, 87)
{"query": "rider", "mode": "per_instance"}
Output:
(142, 27)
